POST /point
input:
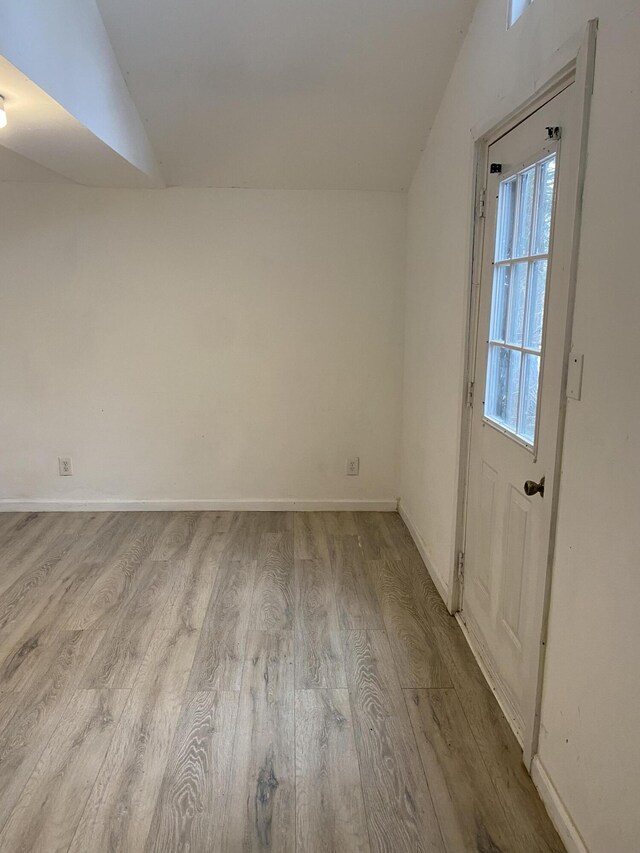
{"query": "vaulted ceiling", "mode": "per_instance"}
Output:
(285, 93)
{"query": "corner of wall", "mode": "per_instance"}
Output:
(444, 588)
(556, 809)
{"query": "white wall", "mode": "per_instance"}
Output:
(193, 344)
(589, 741)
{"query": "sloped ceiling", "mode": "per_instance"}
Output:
(295, 94)
(287, 93)
(68, 107)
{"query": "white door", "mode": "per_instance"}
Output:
(518, 375)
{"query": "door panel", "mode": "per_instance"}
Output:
(487, 526)
(522, 319)
(514, 562)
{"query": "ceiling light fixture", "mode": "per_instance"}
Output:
(3, 115)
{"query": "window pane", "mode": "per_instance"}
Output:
(506, 211)
(524, 217)
(516, 8)
(517, 301)
(529, 397)
(500, 303)
(546, 181)
(503, 378)
(535, 309)
(523, 231)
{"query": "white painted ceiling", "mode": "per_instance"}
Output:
(322, 94)
(42, 139)
(14, 167)
(287, 93)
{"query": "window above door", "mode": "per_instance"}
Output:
(516, 8)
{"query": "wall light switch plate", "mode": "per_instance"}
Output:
(65, 468)
(574, 375)
(353, 466)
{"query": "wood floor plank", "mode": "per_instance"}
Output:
(469, 811)
(29, 640)
(329, 804)
(47, 595)
(400, 812)
(221, 521)
(413, 642)
(261, 812)
(310, 537)
(272, 605)
(119, 810)
(8, 705)
(176, 538)
(498, 746)
(278, 521)
(341, 598)
(500, 751)
(219, 657)
(375, 539)
(30, 539)
(194, 793)
(37, 712)
(358, 606)
(243, 536)
(21, 528)
(111, 537)
(167, 664)
(18, 600)
(318, 642)
(195, 577)
(115, 583)
(339, 523)
(503, 757)
(247, 528)
(126, 640)
(18, 665)
(50, 806)
(210, 541)
(8, 521)
(398, 532)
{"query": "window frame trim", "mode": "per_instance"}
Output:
(543, 153)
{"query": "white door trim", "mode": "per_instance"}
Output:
(580, 71)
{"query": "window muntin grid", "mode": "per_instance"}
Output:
(521, 266)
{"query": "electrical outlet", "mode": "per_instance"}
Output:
(65, 468)
(353, 466)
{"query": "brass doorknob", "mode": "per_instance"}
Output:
(532, 488)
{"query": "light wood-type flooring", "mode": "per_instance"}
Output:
(239, 682)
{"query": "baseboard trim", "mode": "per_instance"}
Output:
(285, 505)
(560, 817)
(426, 559)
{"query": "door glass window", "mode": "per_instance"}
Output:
(523, 232)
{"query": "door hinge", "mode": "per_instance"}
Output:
(469, 394)
(461, 567)
(482, 198)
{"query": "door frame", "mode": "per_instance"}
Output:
(579, 71)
